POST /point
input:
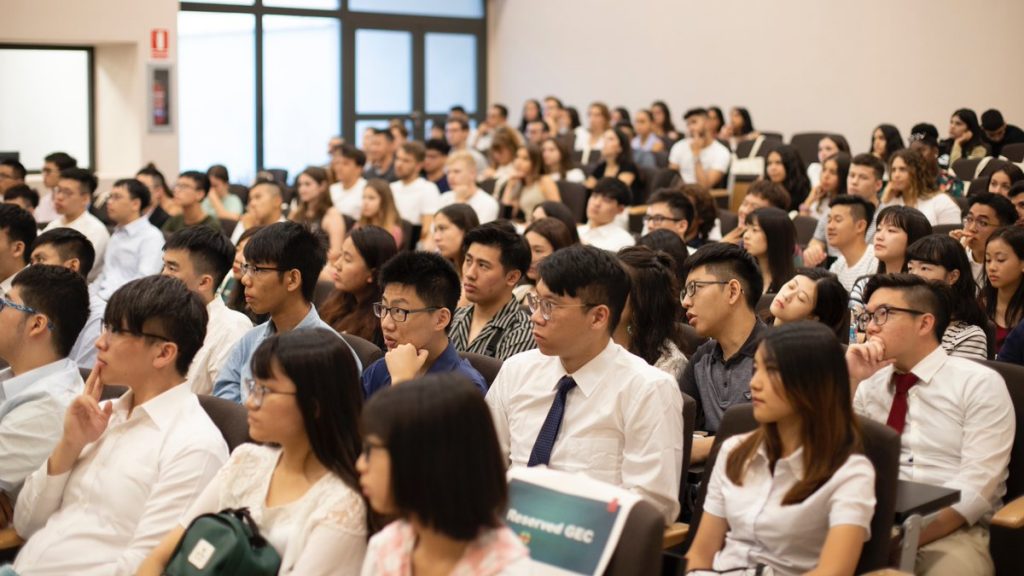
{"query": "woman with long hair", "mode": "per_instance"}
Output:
(531, 113)
(885, 139)
(544, 236)
(431, 459)
(910, 184)
(651, 316)
(558, 211)
(300, 483)
(814, 294)
(646, 143)
(940, 258)
(664, 128)
(349, 308)
(1003, 293)
(740, 127)
(502, 154)
(313, 207)
(898, 228)
(706, 226)
(232, 289)
(616, 161)
(832, 183)
(379, 209)
(828, 146)
(770, 237)
(966, 138)
(450, 226)
(784, 166)
(801, 473)
(558, 163)
(1002, 180)
(715, 121)
(527, 186)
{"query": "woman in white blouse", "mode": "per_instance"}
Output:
(795, 495)
(910, 184)
(301, 486)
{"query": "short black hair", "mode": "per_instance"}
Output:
(18, 167)
(178, 312)
(61, 295)
(1017, 188)
(462, 122)
(446, 465)
(218, 171)
(82, 176)
(201, 181)
(432, 277)
(502, 109)
(385, 132)
(677, 202)
(593, 275)
(137, 190)
(695, 112)
(727, 261)
(69, 244)
(290, 246)
(933, 297)
(438, 145)
(515, 253)
(63, 160)
(860, 208)
(24, 192)
(1004, 209)
(773, 192)
(19, 226)
(614, 189)
(871, 161)
(457, 108)
(354, 154)
(209, 250)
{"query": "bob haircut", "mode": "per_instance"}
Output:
(941, 250)
(913, 223)
(446, 465)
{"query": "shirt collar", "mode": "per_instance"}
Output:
(162, 410)
(926, 369)
(589, 376)
(448, 361)
(795, 461)
(749, 347)
(15, 385)
(134, 227)
(5, 286)
(310, 320)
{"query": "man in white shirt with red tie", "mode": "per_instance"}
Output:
(580, 402)
(954, 415)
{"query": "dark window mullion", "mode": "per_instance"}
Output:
(259, 89)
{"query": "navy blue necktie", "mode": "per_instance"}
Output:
(541, 453)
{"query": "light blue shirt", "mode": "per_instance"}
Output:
(238, 367)
(32, 411)
(134, 250)
(230, 202)
(84, 350)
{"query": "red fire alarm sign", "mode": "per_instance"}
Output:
(158, 42)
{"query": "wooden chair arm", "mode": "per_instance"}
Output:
(1011, 515)
(887, 572)
(10, 539)
(675, 534)
(638, 210)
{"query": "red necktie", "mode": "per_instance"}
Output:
(898, 411)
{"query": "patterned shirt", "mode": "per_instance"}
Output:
(507, 334)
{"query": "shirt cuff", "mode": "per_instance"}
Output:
(972, 506)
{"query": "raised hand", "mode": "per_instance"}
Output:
(404, 362)
(85, 420)
(865, 359)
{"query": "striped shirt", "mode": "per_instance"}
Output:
(965, 340)
(507, 334)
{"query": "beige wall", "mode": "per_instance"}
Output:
(119, 30)
(797, 65)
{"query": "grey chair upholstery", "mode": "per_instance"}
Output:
(230, 418)
(487, 367)
(806, 145)
(688, 340)
(965, 168)
(944, 229)
(805, 226)
(367, 351)
(322, 290)
(227, 226)
(639, 548)
(574, 196)
(730, 220)
(1013, 152)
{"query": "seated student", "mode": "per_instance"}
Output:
(706, 225)
(966, 138)
(434, 160)
(1013, 346)
(848, 218)
(828, 146)
(898, 228)
(558, 211)
(379, 210)
(770, 238)
(544, 236)
(784, 167)
(451, 224)
(420, 292)
(72, 250)
(864, 179)
(834, 171)
(264, 208)
(650, 319)
(201, 258)
(415, 197)
(985, 213)
(189, 192)
(616, 161)
(582, 403)
(1002, 179)
(124, 471)
(910, 184)
(300, 483)
(942, 259)
(527, 186)
(380, 155)
(430, 458)
(462, 179)
(231, 290)
(670, 243)
(788, 495)
(312, 207)
(760, 194)
(954, 415)
(669, 209)
(163, 206)
(12, 173)
(558, 162)
(134, 248)
(347, 164)
(700, 158)
(39, 321)
(1016, 195)
(282, 263)
(609, 198)
(998, 133)
(493, 324)
(220, 202)
(23, 196)
(17, 233)
(723, 285)
(71, 200)
(53, 165)
(1002, 294)
(814, 294)
(349, 307)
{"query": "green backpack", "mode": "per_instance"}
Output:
(227, 543)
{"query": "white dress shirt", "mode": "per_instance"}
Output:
(959, 428)
(84, 350)
(46, 211)
(348, 201)
(622, 424)
(608, 236)
(6, 284)
(713, 157)
(485, 205)
(125, 492)
(415, 200)
(134, 250)
(32, 411)
(223, 330)
(91, 227)
(789, 538)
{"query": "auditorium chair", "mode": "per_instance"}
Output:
(367, 351)
(945, 229)
(805, 226)
(409, 235)
(487, 367)
(806, 145)
(487, 185)
(639, 548)
(227, 226)
(1014, 152)
(1007, 527)
(729, 220)
(764, 304)
(322, 290)
(574, 196)
(231, 418)
(966, 169)
(687, 339)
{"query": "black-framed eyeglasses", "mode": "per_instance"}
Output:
(971, 220)
(881, 316)
(691, 287)
(108, 329)
(5, 303)
(398, 314)
(658, 219)
(369, 447)
(546, 307)
(254, 270)
(257, 392)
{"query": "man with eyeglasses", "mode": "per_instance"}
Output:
(189, 192)
(723, 285)
(72, 198)
(124, 471)
(53, 165)
(39, 321)
(984, 214)
(134, 248)
(669, 209)
(17, 233)
(580, 402)
(954, 415)
(282, 264)
(421, 293)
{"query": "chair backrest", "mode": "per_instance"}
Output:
(805, 227)
(744, 148)
(408, 238)
(1014, 152)
(639, 547)
(806, 145)
(648, 180)
(574, 196)
(729, 220)
(661, 159)
(1013, 374)
(775, 136)
(367, 351)
(487, 367)
(991, 166)
(229, 417)
(687, 339)
(228, 226)
(322, 290)
(241, 191)
(944, 229)
(487, 185)
(764, 303)
(966, 168)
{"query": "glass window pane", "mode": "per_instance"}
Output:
(450, 72)
(449, 8)
(216, 71)
(383, 71)
(301, 90)
(316, 4)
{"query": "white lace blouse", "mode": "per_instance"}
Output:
(323, 532)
